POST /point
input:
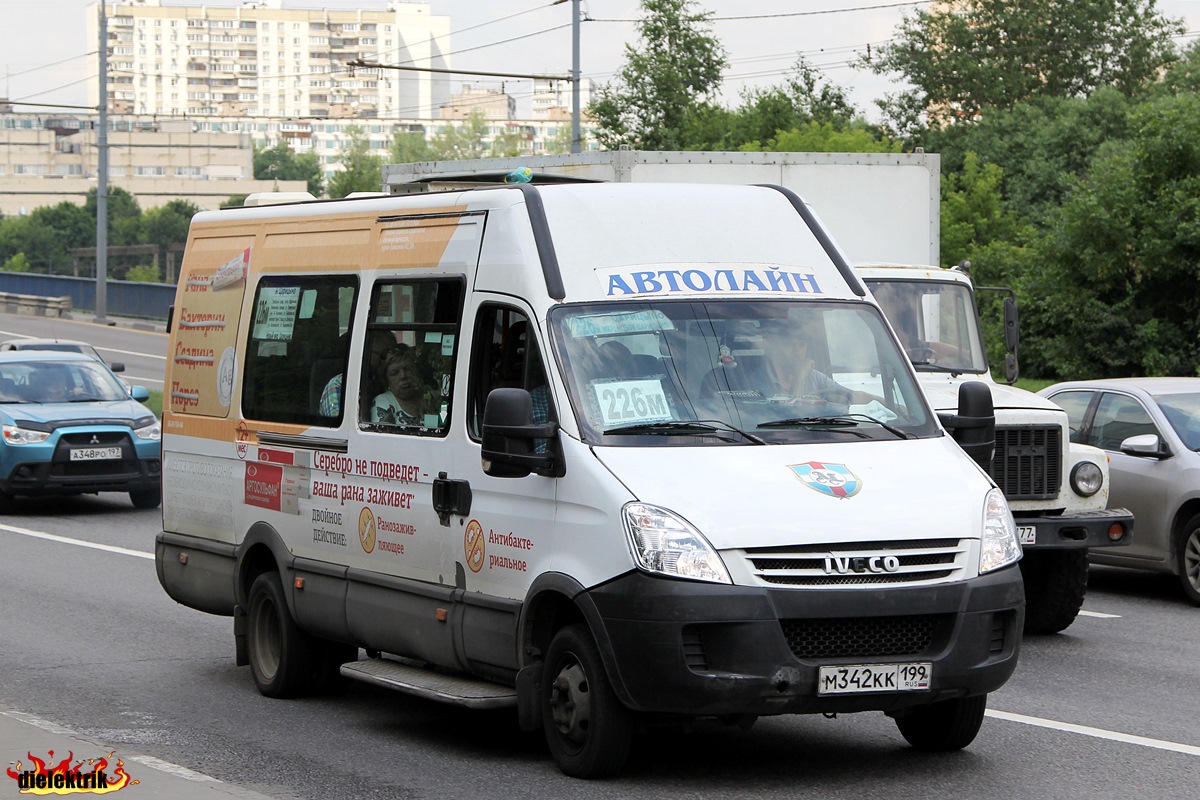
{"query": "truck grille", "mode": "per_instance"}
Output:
(915, 562)
(864, 637)
(1028, 462)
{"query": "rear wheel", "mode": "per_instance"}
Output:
(1055, 585)
(587, 728)
(149, 498)
(1187, 557)
(945, 725)
(285, 661)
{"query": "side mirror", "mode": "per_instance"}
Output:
(1012, 339)
(508, 437)
(117, 366)
(1145, 444)
(139, 393)
(974, 426)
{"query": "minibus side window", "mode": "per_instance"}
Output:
(408, 373)
(299, 341)
(506, 355)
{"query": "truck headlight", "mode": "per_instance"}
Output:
(1086, 479)
(15, 435)
(665, 543)
(999, 546)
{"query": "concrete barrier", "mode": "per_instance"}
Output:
(35, 306)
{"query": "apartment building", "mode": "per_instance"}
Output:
(48, 159)
(262, 59)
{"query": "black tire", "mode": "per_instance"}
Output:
(587, 728)
(1055, 585)
(284, 660)
(149, 498)
(945, 725)
(1187, 560)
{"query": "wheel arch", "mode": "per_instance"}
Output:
(1188, 511)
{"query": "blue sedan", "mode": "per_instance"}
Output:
(70, 427)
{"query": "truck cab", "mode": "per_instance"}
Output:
(1057, 490)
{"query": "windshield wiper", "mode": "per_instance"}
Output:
(684, 427)
(836, 421)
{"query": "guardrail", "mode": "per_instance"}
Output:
(122, 298)
(34, 305)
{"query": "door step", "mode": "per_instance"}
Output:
(457, 690)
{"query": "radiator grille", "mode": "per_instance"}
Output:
(863, 637)
(1028, 462)
(915, 562)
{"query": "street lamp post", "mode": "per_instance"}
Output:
(102, 178)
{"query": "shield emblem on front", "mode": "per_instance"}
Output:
(835, 480)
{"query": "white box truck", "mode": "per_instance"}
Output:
(883, 210)
(552, 448)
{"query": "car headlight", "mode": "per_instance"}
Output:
(999, 546)
(1086, 479)
(15, 435)
(152, 429)
(665, 543)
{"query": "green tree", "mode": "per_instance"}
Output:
(18, 263)
(408, 148)
(281, 163)
(361, 171)
(36, 241)
(969, 56)
(234, 201)
(823, 137)
(124, 216)
(674, 67)
(144, 273)
(457, 142)
(1122, 255)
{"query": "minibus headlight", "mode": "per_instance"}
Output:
(15, 435)
(667, 544)
(1086, 479)
(999, 546)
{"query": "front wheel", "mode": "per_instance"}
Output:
(1187, 557)
(945, 725)
(1055, 585)
(150, 498)
(587, 728)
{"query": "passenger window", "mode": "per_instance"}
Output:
(1076, 405)
(506, 355)
(408, 376)
(299, 341)
(1117, 418)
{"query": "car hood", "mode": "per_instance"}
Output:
(754, 496)
(114, 412)
(942, 391)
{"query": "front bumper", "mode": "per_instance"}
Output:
(679, 647)
(47, 468)
(1083, 529)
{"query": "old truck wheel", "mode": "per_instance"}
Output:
(945, 725)
(285, 661)
(1187, 558)
(587, 728)
(1055, 585)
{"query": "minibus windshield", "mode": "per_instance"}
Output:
(736, 371)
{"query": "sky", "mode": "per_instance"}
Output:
(761, 37)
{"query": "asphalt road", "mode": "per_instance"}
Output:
(92, 645)
(143, 352)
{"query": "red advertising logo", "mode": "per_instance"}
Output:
(85, 775)
(264, 485)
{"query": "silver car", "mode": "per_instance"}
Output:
(1151, 430)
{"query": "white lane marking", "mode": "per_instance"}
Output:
(108, 548)
(98, 347)
(1099, 615)
(149, 761)
(1099, 733)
